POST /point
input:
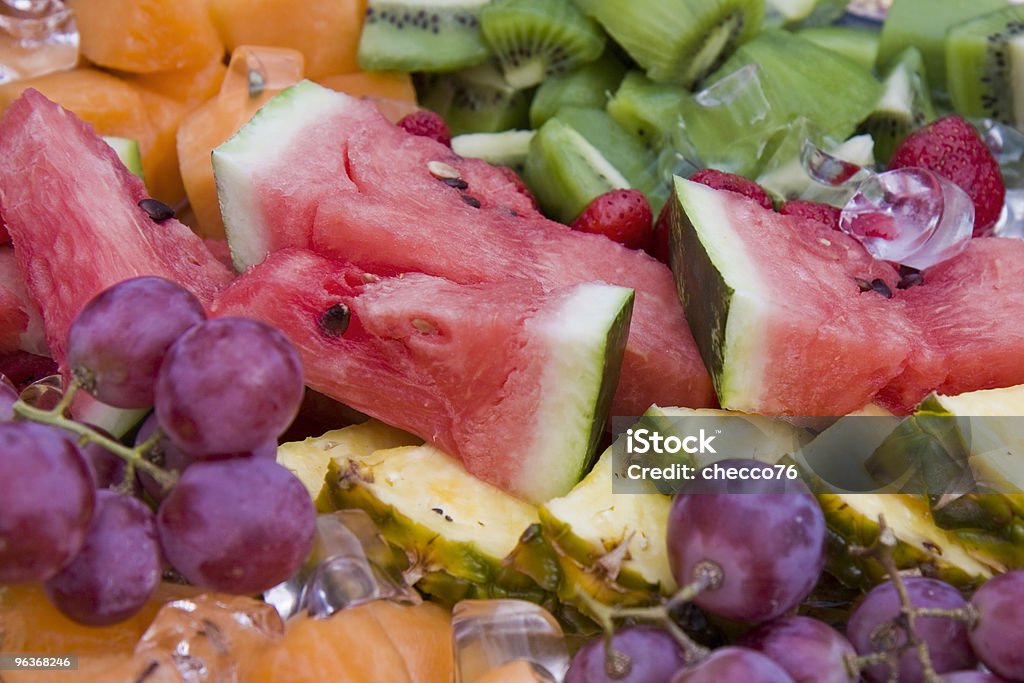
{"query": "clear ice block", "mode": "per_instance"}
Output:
(350, 564)
(37, 37)
(45, 393)
(201, 639)
(488, 634)
(909, 216)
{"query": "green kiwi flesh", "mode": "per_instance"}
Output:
(905, 104)
(923, 24)
(647, 109)
(794, 13)
(857, 44)
(985, 66)
(678, 41)
(589, 85)
(533, 39)
(474, 100)
(421, 35)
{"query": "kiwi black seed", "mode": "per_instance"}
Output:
(982, 66)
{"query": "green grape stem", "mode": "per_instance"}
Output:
(135, 458)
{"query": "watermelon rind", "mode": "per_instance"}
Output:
(269, 134)
(731, 295)
(585, 338)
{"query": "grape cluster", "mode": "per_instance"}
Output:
(752, 551)
(199, 490)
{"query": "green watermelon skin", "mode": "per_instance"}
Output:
(384, 210)
(71, 208)
(513, 379)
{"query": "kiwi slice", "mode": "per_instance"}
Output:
(565, 172)
(905, 105)
(533, 39)
(678, 41)
(647, 109)
(985, 66)
(589, 85)
(857, 44)
(923, 24)
(422, 35)
(507, 148)
(474, 100)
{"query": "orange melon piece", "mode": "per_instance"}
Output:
(190, 85)
(376, 641)
(143, 36)
(160, 151)
(212, 123)
(518, 671)
(391, 85)
(325, 31)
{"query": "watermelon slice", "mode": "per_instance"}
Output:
(513, 379)
(319, 169)
(777, 308)
(21, 325)
(71, 208)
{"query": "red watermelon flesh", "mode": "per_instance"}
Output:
(21, 325)
(462, 366)
(388, 210)
(71, 208)
(970, 313)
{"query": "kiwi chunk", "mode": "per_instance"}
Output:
(533, 39)
(474, 100)
(589, 85)
(985, 66)
(923, 24)
(678, 41)
(905, 104)
(422, 35)
(857, 44)
(647, 109)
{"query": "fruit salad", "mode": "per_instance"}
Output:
(511, 340)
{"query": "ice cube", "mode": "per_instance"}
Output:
(350, 564)
(488, 634)
(909, 216)
(37, 37)
(44, 393)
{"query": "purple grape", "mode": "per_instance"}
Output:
(654, 656)
(47, 500)
(118, 568)
(8, 397)
(998, 635)
(238, 526)
(766, 537)
(118, 341)
(809, 650)
(972, 677)
(733, 665)
(227, 386)
(872, 629)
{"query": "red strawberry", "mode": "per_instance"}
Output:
(662, 228)
(620, 215)
(428, 124)
(734, 183)
(517, 180)
(952, 148)
(823, 213)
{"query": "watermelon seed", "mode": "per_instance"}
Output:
(863, 284)
(471, 200)
(441, 170)
(334, 321)
(457, 183)
(909, 277)
(370, 277)
(156, 209)
(423, 326)
(879, 286)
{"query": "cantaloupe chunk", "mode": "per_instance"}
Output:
(325, 31)
(160, 150)
(391, 85)
(218, 119)
(143, 36)
(190, 85)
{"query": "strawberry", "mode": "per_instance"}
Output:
(952, 148)
(734, 183)
(662, 228)
(621, 215)
(823, 213)
(427, 124)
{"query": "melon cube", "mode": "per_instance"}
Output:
(191, 85)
